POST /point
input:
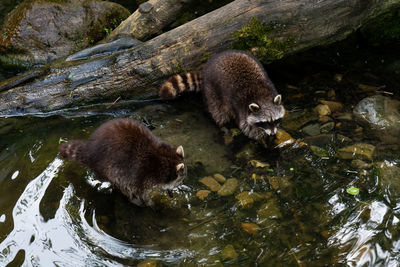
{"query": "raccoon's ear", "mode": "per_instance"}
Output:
(179, 151)
(254, 107)
(179, 167)
(278, 99)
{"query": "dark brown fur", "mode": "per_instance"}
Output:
(236, 88)
(127, 154)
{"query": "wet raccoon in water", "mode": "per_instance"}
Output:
(127, 154)
(236, 88)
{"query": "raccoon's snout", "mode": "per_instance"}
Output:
(265, 124)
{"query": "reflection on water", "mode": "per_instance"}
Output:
(67, 239)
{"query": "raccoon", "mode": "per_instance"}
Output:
(126, 153)
(235, 88)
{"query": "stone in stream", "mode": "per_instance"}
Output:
(211, 183)
(250, 228)
(381, 116)
(229, 252)
(202, 194)
(228, 188)
(360, 151)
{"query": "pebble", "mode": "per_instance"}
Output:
(229, 187)
(338, 77)
(251, 228)
(333, 106)
(361, 150)
(229, 252)
(202, 194)
(312, 129)
(219, 177)
(327, 127)
(323, 110)
(319, 151)
(211, 183)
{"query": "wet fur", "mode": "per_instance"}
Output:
(127, 154)
(230, 82)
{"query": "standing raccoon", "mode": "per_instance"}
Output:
(127, 154)
(235, 88)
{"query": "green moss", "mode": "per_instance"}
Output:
(384, 29)
(258, 37)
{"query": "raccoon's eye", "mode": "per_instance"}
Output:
(278, 121)
(253, 107)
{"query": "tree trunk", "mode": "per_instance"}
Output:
(138, 71)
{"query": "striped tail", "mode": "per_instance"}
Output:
(175, 85)
(73, 150)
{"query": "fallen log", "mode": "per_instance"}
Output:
(137, 72)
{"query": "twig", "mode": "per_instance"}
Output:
(113, 103)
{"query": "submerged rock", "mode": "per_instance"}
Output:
(333, 106)
(246, 199)
(37, 32)
(319, 151)
(267, 213)
(211, 183)
(311, 129)
(295, 120)
(202, 194)
(220, 178)
(228, 188)
(258, 164)
(322, 110)
(247, 153)
(389, 177)
(229, 252)
(250, 228)
(362, 151)
(382, 116)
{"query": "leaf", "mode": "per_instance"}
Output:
(353, 191)
(70, 75)
(291, 169)
(270, 170)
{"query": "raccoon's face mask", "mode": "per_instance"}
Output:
(266, 115)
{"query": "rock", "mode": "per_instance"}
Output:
(333, 106)
(37, 32)
(228, 187)
(258, 164)
(246, 201)
(361, 150)
(322, 110)
(293, 121)
(343, 139)
(268, 211)
(311, 129)
(338, 77)
(279, 183)
(229, 252)
(327, 127)
(150, 263)
(381, 116)
(202, 194)
(331, 94)
(211, 183)
(319, 140)
(220, 178)
(389, 177)
(359, 164)
(324, 119)
(251, 228)
(345, 117)
(283, 138)
(319, 152)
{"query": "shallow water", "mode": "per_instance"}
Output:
(54, 212)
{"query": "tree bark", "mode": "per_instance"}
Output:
(138, 71)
